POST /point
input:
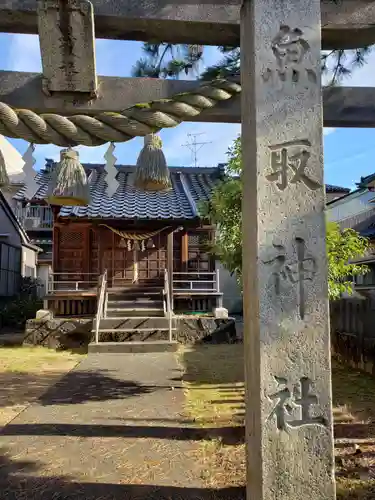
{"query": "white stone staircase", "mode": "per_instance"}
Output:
(134, 319)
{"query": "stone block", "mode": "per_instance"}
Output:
(58, 333)
(44, 314)
(220, 313)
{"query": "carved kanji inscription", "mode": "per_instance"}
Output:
(289, 47)
(294, 404)
(295, 271)
(291, 156)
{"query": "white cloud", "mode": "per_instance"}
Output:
(24, 53)
(328, 130)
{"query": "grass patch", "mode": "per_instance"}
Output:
(214, 381)
(26, 373)
(215, 398)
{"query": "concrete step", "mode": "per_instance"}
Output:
(139, 292)
(114, 323)
(134, 330)
(133, 313)
(132, 347)
(138, 303)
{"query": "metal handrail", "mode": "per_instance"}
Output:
(167, 296)
(89, 280)
(208, 273)
(102, 288)
(214, 282)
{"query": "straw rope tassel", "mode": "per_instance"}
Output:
(152, 172)
(69, 185)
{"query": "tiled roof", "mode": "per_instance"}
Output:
(190, 186)
(336, 189)
(365, 180)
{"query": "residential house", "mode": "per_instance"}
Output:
(356, 210)
(35, 216)
(18, 257)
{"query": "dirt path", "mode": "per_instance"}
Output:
(113, 428)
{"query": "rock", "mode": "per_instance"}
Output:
(44, 314)
(220, 313)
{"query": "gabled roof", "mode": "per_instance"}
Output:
(17, 225)
(336, 189)
(363, 183)
(190, 186)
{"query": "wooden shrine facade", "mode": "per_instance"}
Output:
(83, 250)
(134, 236)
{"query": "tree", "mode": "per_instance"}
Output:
(224, 210)
(164, 60)
(342, 247)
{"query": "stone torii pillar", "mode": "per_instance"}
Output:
(287, 345)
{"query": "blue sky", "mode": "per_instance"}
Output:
(348, 153)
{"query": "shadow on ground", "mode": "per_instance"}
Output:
(73, 388)
(360, 491)
(217, 371)
(82, 386)
(353, 402)
(123, 431)
(18, 482)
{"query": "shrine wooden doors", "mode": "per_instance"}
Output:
(128, 263)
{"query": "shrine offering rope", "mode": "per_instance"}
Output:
(137, 121)
(135, 236)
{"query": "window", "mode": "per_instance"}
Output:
(10, 269)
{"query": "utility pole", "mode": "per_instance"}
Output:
(195, 146)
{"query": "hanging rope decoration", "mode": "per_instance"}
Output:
(4, 178)
(128, 245)
(136, 121)
(135, 236)
(152, 173)
(69, 185)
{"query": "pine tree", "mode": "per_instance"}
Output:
(164, 60)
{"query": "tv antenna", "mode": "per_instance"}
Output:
(195, 146)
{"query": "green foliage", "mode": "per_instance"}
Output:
(164, 60)
(224, 210)
(342, 247)
(336, 64)
(15, 311)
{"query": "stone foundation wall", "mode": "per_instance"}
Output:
(58, 333)
(72, 333)
(205, 330)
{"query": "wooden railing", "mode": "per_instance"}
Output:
(71, 282)
(35, 217)
(196, 282)
(167, 303)
(102, 293)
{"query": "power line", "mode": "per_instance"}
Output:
(195, 146)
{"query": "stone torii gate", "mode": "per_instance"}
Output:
(287, 347)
